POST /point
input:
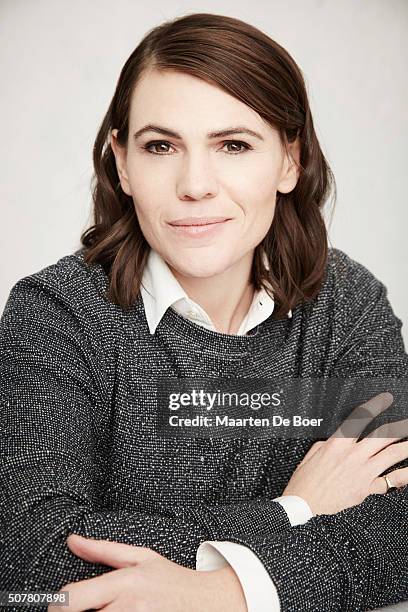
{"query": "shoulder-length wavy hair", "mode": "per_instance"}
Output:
(249, 65)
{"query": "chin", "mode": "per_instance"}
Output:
(204, 271)
(196, 272)
(200, 264)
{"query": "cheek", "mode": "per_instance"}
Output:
(148, 217)
(149, 226)
(147, 198)
(256, 187)
(259, 206)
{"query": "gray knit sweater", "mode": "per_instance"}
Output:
(78, 451)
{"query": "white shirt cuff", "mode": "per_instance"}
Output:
(297, 509)
(259, 589)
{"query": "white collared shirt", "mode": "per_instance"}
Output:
(161, 290)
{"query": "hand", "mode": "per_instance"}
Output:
(145, 581)
(340, 472)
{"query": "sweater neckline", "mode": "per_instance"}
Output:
(205, 339)
(201, 338)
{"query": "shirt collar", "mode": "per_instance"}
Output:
(160, 289)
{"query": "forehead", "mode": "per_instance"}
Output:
(171, 97)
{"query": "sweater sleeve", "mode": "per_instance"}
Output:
(356, 559)
(54, 423)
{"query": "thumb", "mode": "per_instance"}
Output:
(114, 554)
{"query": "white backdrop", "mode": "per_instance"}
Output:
(60, 61)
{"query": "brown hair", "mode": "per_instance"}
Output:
(255, 69)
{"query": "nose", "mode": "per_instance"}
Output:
(197, 178)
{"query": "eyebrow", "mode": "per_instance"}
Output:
(218, 134)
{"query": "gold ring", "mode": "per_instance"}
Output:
(389, 484)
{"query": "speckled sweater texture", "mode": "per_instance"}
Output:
(78, 450)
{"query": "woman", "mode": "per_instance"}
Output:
(208, 259)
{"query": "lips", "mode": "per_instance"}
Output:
(191, 221)
(199, 229)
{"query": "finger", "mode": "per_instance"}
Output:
(389, 456)
(374, 446)
(398, 478)
(114, 554)
(379, 485)
(360, 416)
(394, 430)
(92, 593)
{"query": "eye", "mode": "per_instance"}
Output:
(239, 143)
(155, 143)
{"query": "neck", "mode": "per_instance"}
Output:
(225, 297)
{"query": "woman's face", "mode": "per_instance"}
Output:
(193, 173)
